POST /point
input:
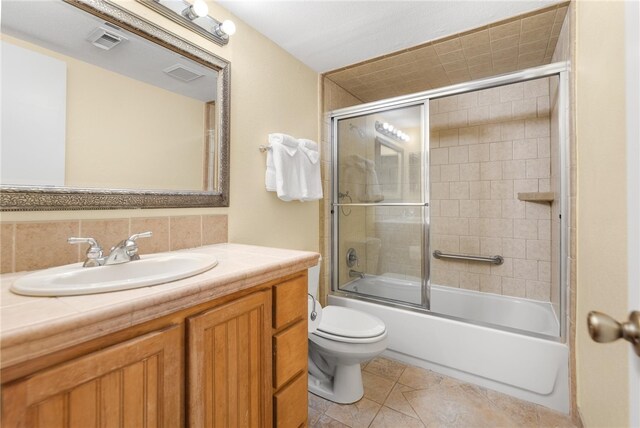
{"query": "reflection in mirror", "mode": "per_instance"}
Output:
(373, 162)
(389, 161)
(89, 102)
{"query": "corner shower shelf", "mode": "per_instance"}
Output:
(537, 196)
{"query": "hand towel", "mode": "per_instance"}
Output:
(310, 149)
(290, 146)
(293, 170)
(360, 174)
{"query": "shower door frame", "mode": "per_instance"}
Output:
(560, 69)
(423, 205)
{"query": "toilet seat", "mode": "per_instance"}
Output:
(348, 325)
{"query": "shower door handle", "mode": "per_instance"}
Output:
(604, 329)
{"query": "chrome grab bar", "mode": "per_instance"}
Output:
(496, 260)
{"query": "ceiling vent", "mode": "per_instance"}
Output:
(182, 72)
(105, 38)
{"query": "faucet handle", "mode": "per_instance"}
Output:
(94, 252)
(140, 235)
(130, 244)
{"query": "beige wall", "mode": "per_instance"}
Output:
(95, 147)
(270, 92)
(602, 370)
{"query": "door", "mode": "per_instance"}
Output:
(608, 376)
(379, 204)
(632, 36)
(136, 383)
(230, 364)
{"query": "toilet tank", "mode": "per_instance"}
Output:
(313, 279)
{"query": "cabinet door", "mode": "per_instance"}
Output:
(134, 384)
(230, 364)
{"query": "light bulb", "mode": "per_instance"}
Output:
(385, 126)
(390, 128)
(197, 10)
(228, 27)
(200, 8)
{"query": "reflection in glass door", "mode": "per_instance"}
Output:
(380, 195)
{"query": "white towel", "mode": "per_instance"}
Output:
(293, 170)
(289, 145)
(310, 148)
(360, 173)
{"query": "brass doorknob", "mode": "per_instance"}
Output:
(603, 328)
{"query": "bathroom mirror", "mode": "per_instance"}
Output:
(102, 109)
(389, 158)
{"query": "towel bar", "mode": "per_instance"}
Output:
(496, 260)
(263, 148)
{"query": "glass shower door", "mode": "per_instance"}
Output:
(379, 205)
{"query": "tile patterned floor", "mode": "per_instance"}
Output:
(398, 396)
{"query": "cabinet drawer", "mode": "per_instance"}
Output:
(290, 404)
(290, 353)
(289, 301)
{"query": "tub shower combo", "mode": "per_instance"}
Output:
(450, 222)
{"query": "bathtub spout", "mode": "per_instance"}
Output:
(356, 274)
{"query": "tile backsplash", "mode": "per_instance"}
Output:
(26, 246)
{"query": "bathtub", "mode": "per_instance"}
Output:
(521, 314)
(526, 367)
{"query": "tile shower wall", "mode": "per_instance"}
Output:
(486, 147)
(37, 245)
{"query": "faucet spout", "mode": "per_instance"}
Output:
(126, 250)
(356, 274)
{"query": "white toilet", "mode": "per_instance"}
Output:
(344, 339)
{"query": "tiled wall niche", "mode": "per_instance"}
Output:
(485, 148)
(35, 245)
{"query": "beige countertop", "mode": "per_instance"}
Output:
(35, 326)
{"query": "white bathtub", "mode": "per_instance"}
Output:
(522, 314)
(526, 367)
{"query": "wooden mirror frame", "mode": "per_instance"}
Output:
(43, 198)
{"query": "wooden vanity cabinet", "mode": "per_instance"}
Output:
(229, 364)
(135, 384)
(290, 342)
(240, 360)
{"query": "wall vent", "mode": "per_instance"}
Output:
(182, 72)
(106, 39)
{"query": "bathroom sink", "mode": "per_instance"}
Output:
(151, 269)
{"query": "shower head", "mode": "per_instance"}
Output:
(360, 131)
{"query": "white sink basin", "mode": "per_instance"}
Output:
(151, 269)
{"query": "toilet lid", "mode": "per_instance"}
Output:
(346, 322)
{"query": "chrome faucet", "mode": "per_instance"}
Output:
(127, 250)
(355, 273)
(94, 252)
(123, 252)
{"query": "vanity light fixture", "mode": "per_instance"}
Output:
(194, 16)
(389, 130)
(198, 9)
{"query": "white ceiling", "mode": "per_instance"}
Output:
(64, 28)
(327, 35)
